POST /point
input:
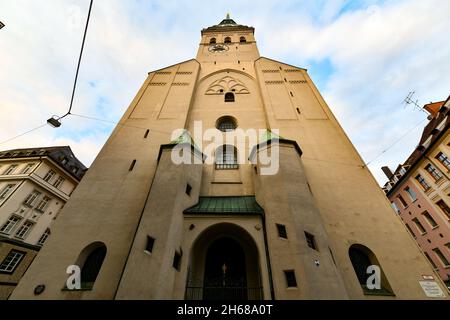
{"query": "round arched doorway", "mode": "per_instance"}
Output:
(224, 265)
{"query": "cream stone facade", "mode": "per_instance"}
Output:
(141, 226)
(35, 184)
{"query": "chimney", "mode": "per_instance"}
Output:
(387, 172)
(433, 108)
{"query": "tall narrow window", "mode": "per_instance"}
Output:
(177, 260)
(443, 206)
(91, 260)
(242, 40)
(24, 229)
(10, 169)
(412, 195)
(441, 257)
(29, 201)
(431, 261)
(442, 158)
(49, 175)
(430, 219)
(282, 231)
(423, 183)
(11, 262)
(419, 226)
(310, 241)
(10, 224)
(229, 97)
(403, 202)
(58, 182)
(44, 237)
(226, 157)
(291, 280)
(149, 245)
(133, 163)
(394, 206)
(410, 230)
(434, 173)
(27, 168)
(227, 40)
(6, 190)
(362, 258)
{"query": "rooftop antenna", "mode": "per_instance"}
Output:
(409, 100)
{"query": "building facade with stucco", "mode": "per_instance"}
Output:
(35, 184)
(228, 177)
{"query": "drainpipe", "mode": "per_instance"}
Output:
(269, 268)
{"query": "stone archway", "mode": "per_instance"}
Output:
(224, 265)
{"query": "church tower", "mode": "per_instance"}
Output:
(228, 177)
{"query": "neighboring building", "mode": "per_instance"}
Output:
(143, 226)
(419, 190)
(35, 184)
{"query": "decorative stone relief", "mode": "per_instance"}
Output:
(227, 84)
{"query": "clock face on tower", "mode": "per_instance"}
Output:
(218, 48)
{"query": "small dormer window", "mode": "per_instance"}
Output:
(242, 40)
(227, 40)
(212, 41)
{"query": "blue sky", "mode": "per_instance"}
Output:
(364, 56)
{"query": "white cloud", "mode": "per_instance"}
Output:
(379, 53)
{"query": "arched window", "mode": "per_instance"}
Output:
(362, 258)
(226, 124)
(90, 261)
(226, 157)
(229, 97)
(227, 40)
(242, 40)
(212, 41)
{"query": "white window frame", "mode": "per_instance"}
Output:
(44, 237)
(43, 204)
(49, 176)
(12, 260)
(24, 229)
(59, 182)
(31, 198)
(9, 225)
